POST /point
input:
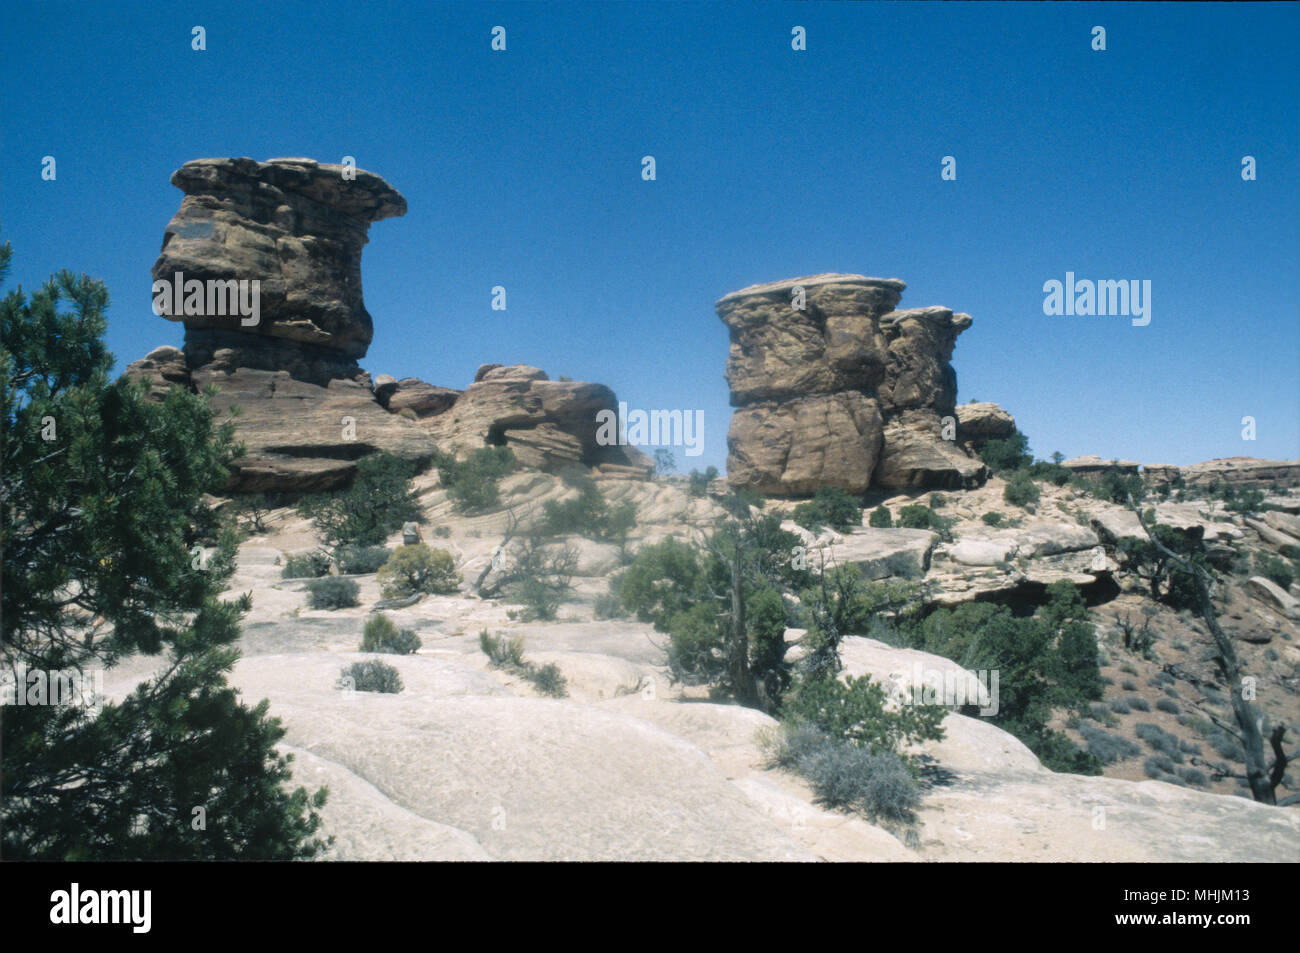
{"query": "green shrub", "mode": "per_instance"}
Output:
(1011, 453)
(1115, 486)
(1274, 569)
(1194, 776)
(920, 516)
(1159, 740)
(992, 519)
(853, 710)
(1106, 747)
(550, 680)
(842, 775)
(360, 559)
(1158, 766)
(472, 483)
(377, 503)
(1119, 706)
(1021, 490)
(1138, 703)
(698, 484)
(332, 592)
(418, 568)
(381, 635)
(302, 565)
(588, 514)
(880, 518)
(1168, 706)
(831, 507)
(371, 676)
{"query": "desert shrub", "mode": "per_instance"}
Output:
(550, 680)
(1119, 706)
(508, 653)
(360, 559)
(1138, 703)
(501, 650)
(853, 710)
(1225, 746)
(992, 519)
(609, 605)
(920, 516)
(1168, 706)
(739, 502)
(539, 577)
(1274, 569)
(1102, 714)
(1129, 685)
(842, 775)
(698, 483)
(332, 592)
(1106, 747)
(300, 565)
(938, 501)
(1158, 766)
(418, 568)
(1290, 551)
(1194, 776)
(377, 503)
(1010, 453)
(371, 676)
(665, 463)
(472, 483)
(830, 506)
(1115, 486)
(1158, 739)
(381, 635)
(1189, 747)
(587, 514)
(880, 518)
(1021, 490)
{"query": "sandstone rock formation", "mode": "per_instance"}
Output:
(980, 422)
(1240, 472)
(834, 387)
(296, 227)
(1093, 465)
(547, 424)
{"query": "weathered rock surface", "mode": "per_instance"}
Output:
(980, 422)
(834, 386)
(1240, 472)
(1092, 465)
(295, 225)
(1275, 595)
(422, 399)
(547, 424)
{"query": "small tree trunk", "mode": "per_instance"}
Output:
(742, 680)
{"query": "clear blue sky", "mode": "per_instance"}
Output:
(522, 169)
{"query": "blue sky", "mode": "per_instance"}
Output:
(522, 169)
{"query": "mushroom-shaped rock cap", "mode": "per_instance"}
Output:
(354, 192)
(830, 278)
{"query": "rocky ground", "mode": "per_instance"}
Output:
(469, 763)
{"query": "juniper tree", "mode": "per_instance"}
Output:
(110, 551)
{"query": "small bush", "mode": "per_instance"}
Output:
(698, 484)
(1008, 454)
(418, 568)
(1194, 776)
(1158, 739)
(588, 514)
(360, 559)
(992, 519)
(1138, 703)
(377, 503)
(1106, 747)
(610, 606)
(919, 516)
(831, 507)
(1225, 746)
(881, 518)
(1129, 685)
(1168, 706)
(371, 676)
(1157, 766)
(1021, 490)
(301, 565)
(380, 635)
(846, 776)
(1275, 570)
(550, 680)
(472, 483)
(332, 592)
(1119, 706)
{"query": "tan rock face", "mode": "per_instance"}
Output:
(981, 421)
(823, 370)
(1241, 472)
(295, 225)
(546, 424)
